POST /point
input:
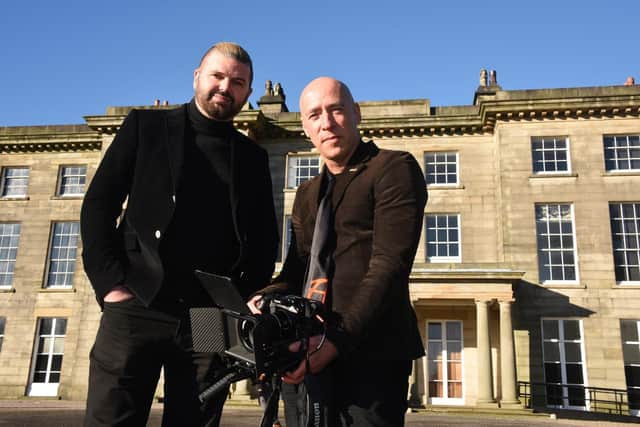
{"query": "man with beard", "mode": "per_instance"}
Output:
(198, 197)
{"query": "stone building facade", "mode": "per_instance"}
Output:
(528, 265)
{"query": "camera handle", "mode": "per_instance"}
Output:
(223, 382)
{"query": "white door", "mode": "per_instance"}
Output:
(47, 357)
(444, 362)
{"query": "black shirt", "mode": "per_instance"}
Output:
(202, 232)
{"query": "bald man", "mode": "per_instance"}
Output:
(376, 207)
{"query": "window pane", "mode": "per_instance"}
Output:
(41, 363)
(632, 375)
(46, 326)
(454, 331)
(435, 350)
(631, 353)
(435, 331)
(56, 363)
(454, 350)
(576, 396)
(553, 372)
(550, 329)
(435, 370)
(629, 330)
(571, 330)
(573, 352)
(552, 351)
(61, 326)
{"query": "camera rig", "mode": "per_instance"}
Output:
(253, 346)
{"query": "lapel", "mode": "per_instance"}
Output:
(176, 120)
(357, 164)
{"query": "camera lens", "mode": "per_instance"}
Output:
(245, 333)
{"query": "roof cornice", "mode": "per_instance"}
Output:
(54, 141)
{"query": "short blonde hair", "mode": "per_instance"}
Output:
(231, 50)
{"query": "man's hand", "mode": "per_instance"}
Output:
(318, 359)
(255, 304)
(119, 293)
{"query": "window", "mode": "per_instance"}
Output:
(72, 180)
(301, 169)
(443, 238)
(62, 254)
(441, 168)
(630, 332)
(9, 236)
(625, 236)
(3, 321)
(622, 152)
(286, 236)
(14, 182)
(564, 366)
(556, 244)
(47, 357)
(444, 362)
(550, 154)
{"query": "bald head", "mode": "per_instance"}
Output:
(330, 118)
(326, 84)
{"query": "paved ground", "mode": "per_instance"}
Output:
(70, 414)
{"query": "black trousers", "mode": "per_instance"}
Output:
(365, 394)
(133, 343)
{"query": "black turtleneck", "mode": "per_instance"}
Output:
(202, 234)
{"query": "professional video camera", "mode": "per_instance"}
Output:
(254, 346)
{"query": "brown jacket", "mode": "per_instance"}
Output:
(378, 215)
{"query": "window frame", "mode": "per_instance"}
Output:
(615, 160)
(47, 388)
(292, 179)
(4, 179)
(3, 326)
(61, 184)
(435, 400)
(446, 172)
(447, 258)
(286, 237)
(67, 261)
(554, 139)
(551, 281)
(632, 364)
(626, 238)
(9, 262)
(563, 361)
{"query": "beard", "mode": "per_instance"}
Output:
(219, 111)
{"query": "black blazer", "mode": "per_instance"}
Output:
(378, 216)
(143, 166)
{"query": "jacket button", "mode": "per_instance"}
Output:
(158, 234)
(173, 198)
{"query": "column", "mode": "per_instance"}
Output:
(485, 383)
(507, 356)
(416, 385)
(241, 390)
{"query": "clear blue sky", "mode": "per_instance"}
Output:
(62, 60)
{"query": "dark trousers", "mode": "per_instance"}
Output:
(132, 345)
(365, 394)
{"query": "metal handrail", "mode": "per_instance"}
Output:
(596, 399)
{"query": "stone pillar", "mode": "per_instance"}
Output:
(507, 357)
(416, 386)
(241, 390)
(485, 383)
